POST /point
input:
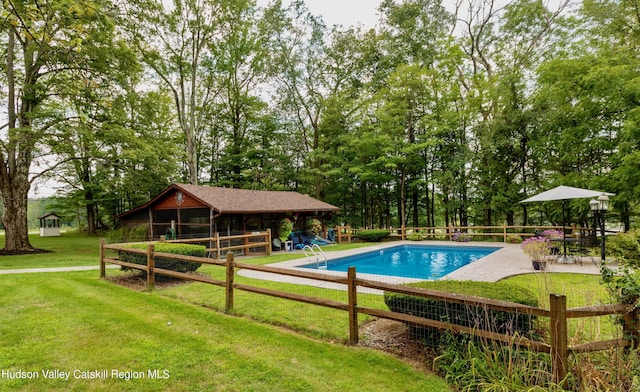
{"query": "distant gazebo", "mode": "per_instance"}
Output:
(49, 225)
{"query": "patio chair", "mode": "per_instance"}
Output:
(582, 248)
(277, 244)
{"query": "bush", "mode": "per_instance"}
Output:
(514, 238)
(164, 262)
(623, 283)
(285, 228)
(128, 234)
(465, 315)
(373, 235)
(461, 237)
(415, 237)
(314, 226)
(626, 247)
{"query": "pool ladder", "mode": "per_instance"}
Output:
(317, 255)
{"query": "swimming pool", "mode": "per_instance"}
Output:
(409, 261)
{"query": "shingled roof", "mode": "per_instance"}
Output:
(242, 201)
(247, 201)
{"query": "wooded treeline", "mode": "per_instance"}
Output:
(437, 116)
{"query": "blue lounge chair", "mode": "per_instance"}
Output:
(305, 239)
(295, 239)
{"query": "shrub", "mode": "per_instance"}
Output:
(285, 228)
(164, 262)
(128, 234)
(314, 226)
(373, 235)
(626, 247)
(415, 237)
(461, 237)
(465, 315)
(623, 283)
(553, 233)
(514, 238)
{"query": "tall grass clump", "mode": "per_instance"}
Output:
(611, 370)
(470, 365)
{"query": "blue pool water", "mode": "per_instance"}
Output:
(410, 261)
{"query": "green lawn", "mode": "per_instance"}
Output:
(74, 322)
(70, 249)
(580, 290)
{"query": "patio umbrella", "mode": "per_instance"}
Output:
(563, 193)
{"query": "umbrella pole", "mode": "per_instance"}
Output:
(564, 239)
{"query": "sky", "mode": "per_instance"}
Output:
(341, 12)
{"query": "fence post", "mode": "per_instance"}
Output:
(403, 232)
(630, 327)
(102, 266)
(151, 264)
(217, 238)
(559, 350)
(504, 232)
(229, 283)
(269, 242)
(353, 303)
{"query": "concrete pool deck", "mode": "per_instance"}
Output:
(509, 260)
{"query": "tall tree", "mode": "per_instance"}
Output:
(413, 34)
(240, 58)
(173, 40)
(503, 45)
(588, 105)
(312, 66)
(44, 43)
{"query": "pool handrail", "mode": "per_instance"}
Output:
(316, 255)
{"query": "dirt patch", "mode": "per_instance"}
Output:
(138, 282)
(4, 252)
(395, 338)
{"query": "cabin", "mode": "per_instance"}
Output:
(184, 211)
(49, 225)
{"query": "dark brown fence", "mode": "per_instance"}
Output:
(248, 244)
(558, 314)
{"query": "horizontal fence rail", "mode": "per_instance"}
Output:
(452, 233)
(558, 314)
(254, 243)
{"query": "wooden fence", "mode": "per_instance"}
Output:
(254, 243)
(501, 233)
(558, 314)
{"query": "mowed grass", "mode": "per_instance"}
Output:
(75, 322)
(580, 290)
(70, 249)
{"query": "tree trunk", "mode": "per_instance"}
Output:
(416, 209)
(14, 215)
(15, 161)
